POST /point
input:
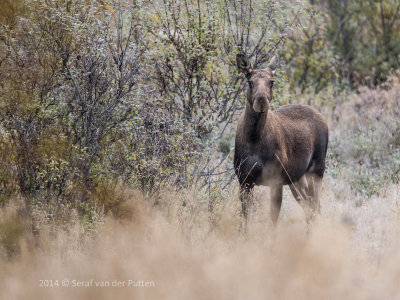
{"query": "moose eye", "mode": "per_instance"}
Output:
(271, 83)
(251, 84)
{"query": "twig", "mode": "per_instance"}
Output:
(214, 174)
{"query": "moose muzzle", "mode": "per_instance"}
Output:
(260, 104)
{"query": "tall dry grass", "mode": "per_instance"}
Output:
(185, 252)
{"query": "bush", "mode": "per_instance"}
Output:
(365, 137)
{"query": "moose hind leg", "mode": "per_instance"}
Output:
(314, 191)
(299, 190)
(276, 202)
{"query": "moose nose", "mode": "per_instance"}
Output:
(260, 103)
(261, 99)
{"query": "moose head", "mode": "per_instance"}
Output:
(260, 82)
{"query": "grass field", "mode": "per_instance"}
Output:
(351, 252)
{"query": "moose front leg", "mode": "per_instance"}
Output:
(246, 199)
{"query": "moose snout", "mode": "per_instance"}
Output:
(260, 103)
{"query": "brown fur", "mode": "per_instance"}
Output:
(275, 148)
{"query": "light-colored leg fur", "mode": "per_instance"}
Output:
(314, 191)
(307, 192)
(300, 192)
(276, 201)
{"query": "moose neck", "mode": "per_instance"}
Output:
(254, 123)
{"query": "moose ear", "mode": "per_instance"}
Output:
(243, 64)
(273, 64)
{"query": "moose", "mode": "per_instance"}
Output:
(276, 148)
